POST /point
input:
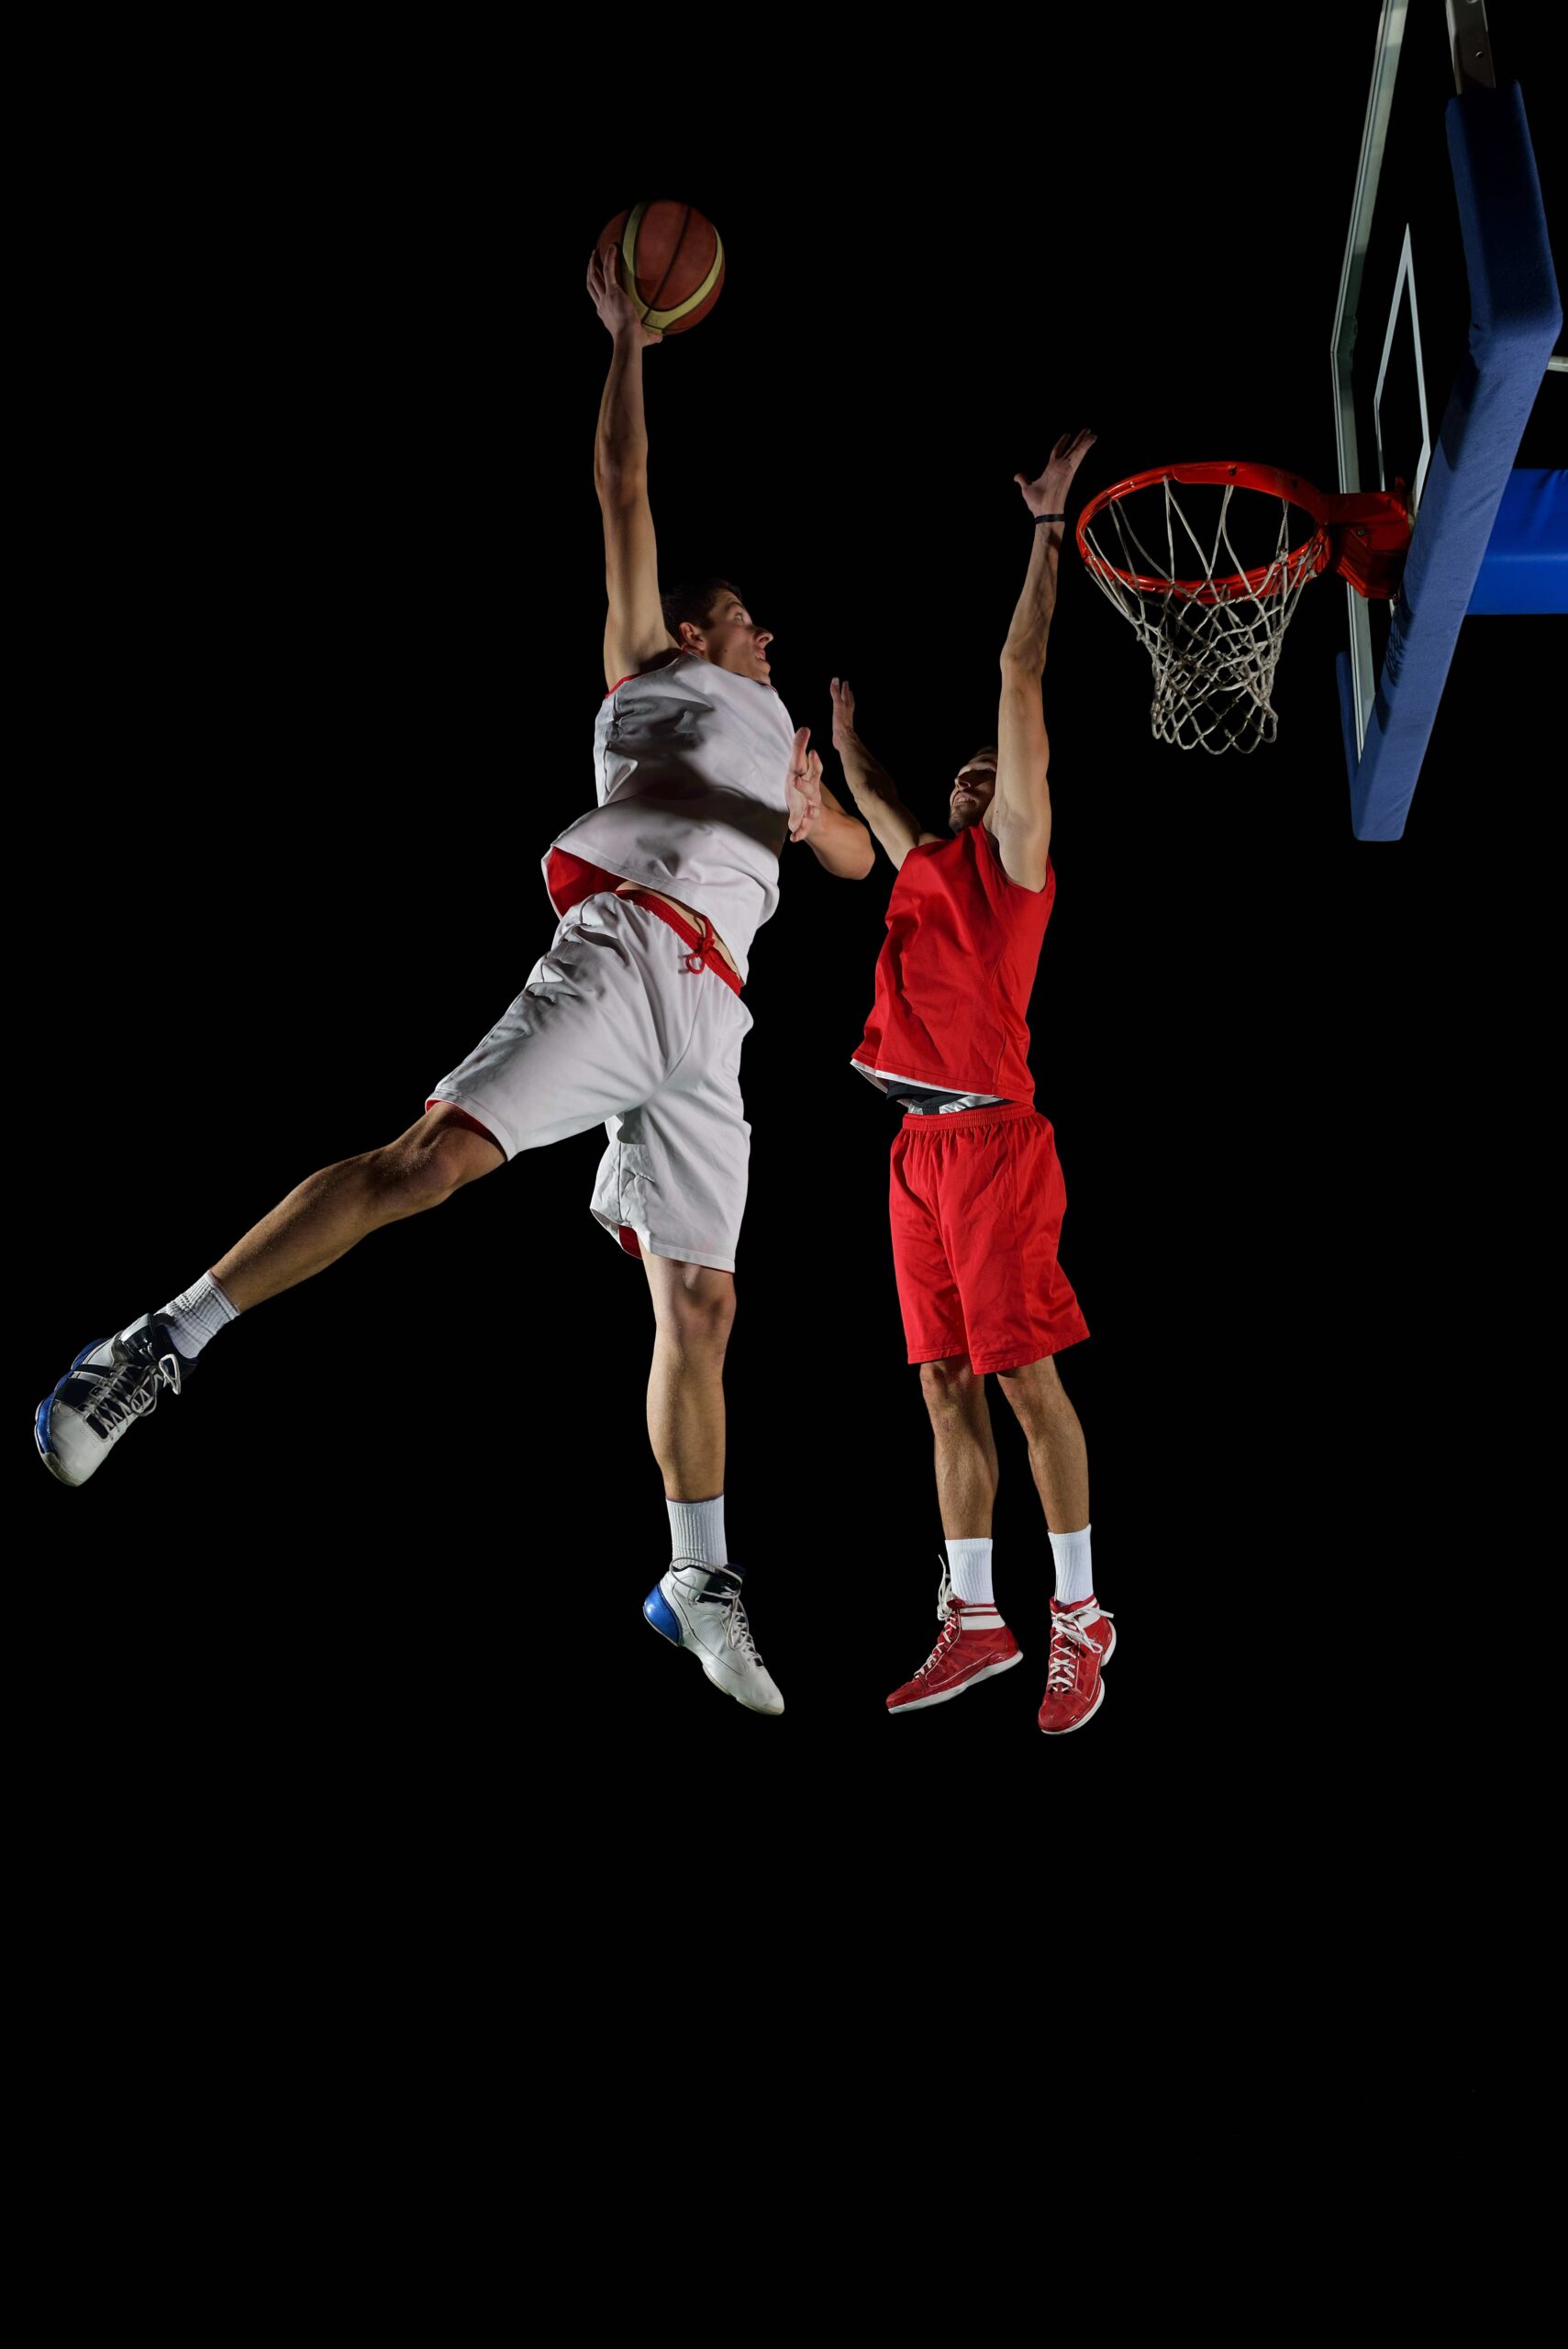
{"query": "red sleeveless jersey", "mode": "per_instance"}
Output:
(954, 975)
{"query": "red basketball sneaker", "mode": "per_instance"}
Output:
(975, 1644)
(1082, 1638)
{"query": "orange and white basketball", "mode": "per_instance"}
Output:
(671, 262)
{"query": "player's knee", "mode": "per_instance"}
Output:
(950, 1388)
(1035, 1394)
(422, 1170)
(701, 1317)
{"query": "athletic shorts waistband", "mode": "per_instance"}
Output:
(944, 1120)
(569, 878)
(708, 957)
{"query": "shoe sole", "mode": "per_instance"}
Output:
(47, 1453)
(657, 1597)
(944, 1696)
(1084, 1723)
(40, 1437)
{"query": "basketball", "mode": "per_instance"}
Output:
(671, 262)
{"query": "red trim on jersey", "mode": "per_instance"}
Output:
(569, 879)
(672, 655)
(462, 1117)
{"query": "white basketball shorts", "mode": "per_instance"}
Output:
(615, 1024)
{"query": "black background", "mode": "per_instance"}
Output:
(322, 611)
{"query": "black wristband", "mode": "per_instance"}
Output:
(1048, 518)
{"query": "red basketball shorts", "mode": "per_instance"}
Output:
(976, 1203)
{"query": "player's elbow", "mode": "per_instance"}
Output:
(618, 480)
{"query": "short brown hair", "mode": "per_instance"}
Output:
(695, 602)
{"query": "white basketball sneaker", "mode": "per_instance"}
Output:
(107, 1389)
(700, 1608)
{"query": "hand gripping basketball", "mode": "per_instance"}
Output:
(607, 292)
(1049, 494)
(804, 786)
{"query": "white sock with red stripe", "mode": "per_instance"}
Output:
(969, 1566)
(1074, 1582)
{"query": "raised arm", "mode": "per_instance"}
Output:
(634, 633)
(1019, 813)
(871, 786)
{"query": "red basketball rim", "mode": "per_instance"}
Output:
(1268, 579)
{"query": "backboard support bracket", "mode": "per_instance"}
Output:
(1470, 45)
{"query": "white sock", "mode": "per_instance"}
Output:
(1074, 1579)
(197, 1314)
(696, 1533)
(969, 1563)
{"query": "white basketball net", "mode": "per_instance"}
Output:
(1214, 652)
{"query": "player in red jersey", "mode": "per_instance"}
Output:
(977, 1196)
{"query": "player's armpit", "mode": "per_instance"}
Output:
(634, 633)
(1023, 842)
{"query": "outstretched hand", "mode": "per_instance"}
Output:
(607, 292)
(843, 712)
(804, 786)
(1049, 494)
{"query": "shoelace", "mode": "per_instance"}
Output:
(737, 1632)
(948, 1617)
(1067, 1636)
(740, 1634)
(129, 1392)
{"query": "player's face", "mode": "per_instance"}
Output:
(972, 791)
(733, 641)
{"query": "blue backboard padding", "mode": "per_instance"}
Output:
(1348, 715)
(1525, 568)
(1516, 317)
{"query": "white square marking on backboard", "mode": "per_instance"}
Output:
(1406, 278)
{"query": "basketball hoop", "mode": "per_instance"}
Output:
(1213, 639)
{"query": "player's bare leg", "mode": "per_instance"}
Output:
(697, 1602)
(965, 1448)
(1059, 1456)
(117, 1382)
(694, 1313)
(331, 1210)
(1081, 1635)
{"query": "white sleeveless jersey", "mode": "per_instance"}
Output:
(690, 764)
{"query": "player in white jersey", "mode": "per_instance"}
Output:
(633, 1018)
